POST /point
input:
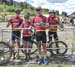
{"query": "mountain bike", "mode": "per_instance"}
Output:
(54, 47)
(5, 53)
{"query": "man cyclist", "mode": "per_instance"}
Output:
(15, 22)
(39, 22)
(53, 23)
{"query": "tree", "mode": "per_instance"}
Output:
(10, 2)
(57, 12)
(4, 1)
(25, 4)
(1, 1)
(64, 13)
(21, 5)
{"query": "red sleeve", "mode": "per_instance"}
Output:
(21, 20)
(45, 19)
(30, 23)
(57, 19)
(22, 24)
(33, 21)
(48, 19)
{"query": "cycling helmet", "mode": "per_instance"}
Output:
(27, 15)
(51, 11)
(38, 8)
(17, 11)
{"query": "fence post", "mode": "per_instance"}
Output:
(1, 34)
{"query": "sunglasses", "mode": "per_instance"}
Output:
(17, 13)
(38, 10)
(26, 17)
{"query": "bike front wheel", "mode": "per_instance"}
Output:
(58, 48)
(5, 53)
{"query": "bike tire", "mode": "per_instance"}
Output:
(6, 60)
(61, 42)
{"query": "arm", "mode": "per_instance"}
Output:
(46, 23)
(21, 23)
(59, 22)
(32, 22)
(61, 25)
(8, 24)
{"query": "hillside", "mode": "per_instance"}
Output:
(24, 7)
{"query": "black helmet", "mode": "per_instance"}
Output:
(27, 15)
(17, 11)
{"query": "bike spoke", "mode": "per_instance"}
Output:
(58, 48)
(5, 53)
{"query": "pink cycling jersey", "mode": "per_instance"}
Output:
(26, 25)
(15, 22)
(38, 21)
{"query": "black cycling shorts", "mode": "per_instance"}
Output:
(55, 36)
(41, 36)
(16, 35)
(27, 39)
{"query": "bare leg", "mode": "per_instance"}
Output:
(44, 49)
(12, 46)
(18, 46)
(39, 50)
(26, 52)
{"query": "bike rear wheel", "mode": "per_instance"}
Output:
(5, 53)
(32, 48)
(58, 48)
